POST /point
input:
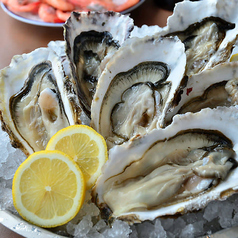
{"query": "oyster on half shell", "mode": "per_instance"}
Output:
(208, 29)
(210, 88)
(172, 170)
(37, 99)
(133, 94)
(91, 39)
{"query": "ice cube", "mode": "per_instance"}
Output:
(178, 225)
(83, 227)
(167, 223)
(94, 234)
(192, 217)
(100, 226)
(13, 161)
(133, 233)
(6, 201)
(187, 232)
(119, 229)
(211, 227)
(144, 229)
(158, 230)
(212, 210)
(225, 214)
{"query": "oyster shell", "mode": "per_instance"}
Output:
(37, 99)
(133, 98)
(208, 29)
(145, 30)
(92, 38)
(172, 170)
(210, 88)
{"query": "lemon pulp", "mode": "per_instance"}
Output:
(48, 188)
(85, 146)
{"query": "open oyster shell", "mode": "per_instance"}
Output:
(210, 88)
(37, 99)
(172, 170)
(91, 39)
(136, 88)
(207, 28)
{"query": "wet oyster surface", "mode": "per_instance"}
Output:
(90, 48)
(215, 95)
(148, 97)
(187, 163)
(172, 170)
(166, 104)
(208, 30)
(132, 99)
(202, 40)
(37, 102)
(92, 38)
(209, 89)
(37, 106)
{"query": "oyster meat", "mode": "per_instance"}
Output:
(37, 99)
(207, 28)
(210, 88)
(133, 98)
(172, 170)
(91, 39)
(164, 99)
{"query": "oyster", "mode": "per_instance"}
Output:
(133, 98)
(207, 28)
(91, 39)
(37, 99)
(172, 170)
(210, 88)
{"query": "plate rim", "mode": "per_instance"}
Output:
(48, 24)
(29, 21)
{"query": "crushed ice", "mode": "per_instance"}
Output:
(87, 224)
(10, 159)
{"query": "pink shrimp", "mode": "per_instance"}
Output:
(81, 3)
(62, 5)
(23, 6)
(87, 5)
(48, 14)
(4, 2)
(63, 16)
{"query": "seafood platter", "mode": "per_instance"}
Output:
(164, 99)
(53, 13)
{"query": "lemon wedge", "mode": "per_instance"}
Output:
(48, 189)
(85, 146)
(234, 57)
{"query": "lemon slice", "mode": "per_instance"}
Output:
(85, 146)
(234, 57)
(48, 189)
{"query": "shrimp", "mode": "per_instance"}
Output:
(48, 14)
(87, 5)
(63, 16)
(5, 2)
(62, 5)
(81, 3)
(23, 6)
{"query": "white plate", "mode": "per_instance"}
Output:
(35, 20)
(24, 228)
(29, 18)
